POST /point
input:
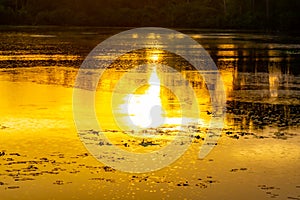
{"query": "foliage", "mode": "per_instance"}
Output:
(239, 14)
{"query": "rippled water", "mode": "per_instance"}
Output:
(43, 158)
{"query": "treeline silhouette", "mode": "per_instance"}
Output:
(238, 14)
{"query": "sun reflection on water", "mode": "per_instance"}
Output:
(145, 110)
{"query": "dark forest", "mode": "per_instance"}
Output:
(275, 15)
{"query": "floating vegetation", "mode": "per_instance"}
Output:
(13, 187)
(240, 169)
(271, 191)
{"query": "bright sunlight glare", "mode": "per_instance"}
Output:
(145, 110)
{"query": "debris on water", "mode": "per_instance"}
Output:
(241, 169)
(198, 137)
(186, 183)
(111, 130)
(59, 182)
(264, 114)
(83, 155)
(91, 131)
(295, 198)
(202, 185)
(210, 181)
(101, 143)
(2, 153)
(74, 171)
(3, 127)
(212, 143)
(13, 187)
(61, 155)
(235, 137)
(24, 179)
(270, 190)
(260, 136)
(147, 143)
(102, 179)
(108, 169)
(228, 132)
(14, 154)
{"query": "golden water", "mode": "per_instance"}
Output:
(45, 158)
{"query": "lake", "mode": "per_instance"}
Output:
(43, 156)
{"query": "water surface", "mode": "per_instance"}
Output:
(42, 156)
